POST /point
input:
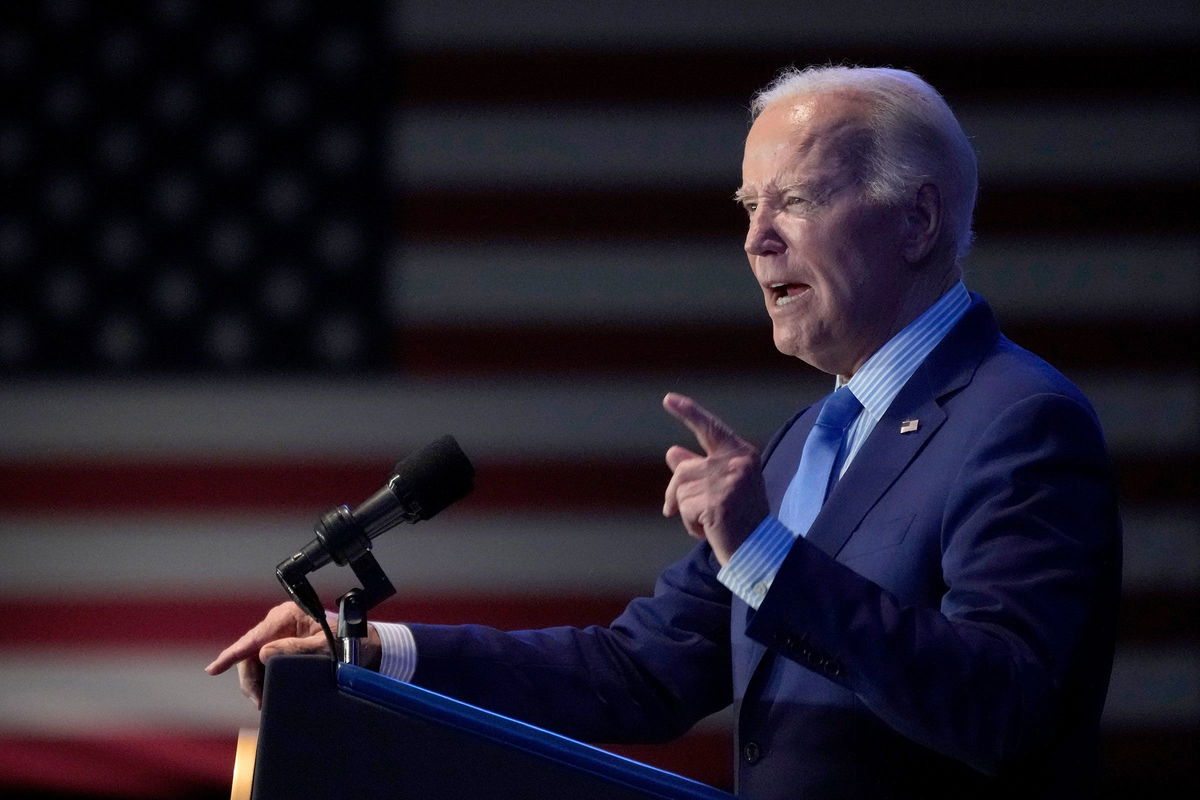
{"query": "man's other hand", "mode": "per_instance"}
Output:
(285, 630)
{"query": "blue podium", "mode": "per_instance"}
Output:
(339, 731)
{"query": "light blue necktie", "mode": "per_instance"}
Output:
(806, 493)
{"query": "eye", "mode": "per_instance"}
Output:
(750, 206)
(796, 200)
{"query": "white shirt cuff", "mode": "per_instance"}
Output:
(753, 566)
(398, 658)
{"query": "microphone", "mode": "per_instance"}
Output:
(421, 485)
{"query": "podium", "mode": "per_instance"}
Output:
(339, 731)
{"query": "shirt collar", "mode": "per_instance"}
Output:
(877, 382)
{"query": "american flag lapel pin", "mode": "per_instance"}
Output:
(909, 425)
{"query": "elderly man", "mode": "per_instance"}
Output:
(911, 591)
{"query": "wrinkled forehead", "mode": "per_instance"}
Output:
(825, 131)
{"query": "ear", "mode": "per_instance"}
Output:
(922, 224)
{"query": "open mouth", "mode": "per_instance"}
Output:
(785, 293)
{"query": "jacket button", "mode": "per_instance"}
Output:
(751, 752)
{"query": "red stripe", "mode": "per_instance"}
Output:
(1147, 617)
(1001, 71)
(156, 764)
(87, 485)
(710, 348)
(142, 764)
(558, 349)
(173, 485)
(705, 756)
(188, 622)
(531, 214)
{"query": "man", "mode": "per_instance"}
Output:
(912, 590)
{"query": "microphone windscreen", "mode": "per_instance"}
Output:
(433, 477)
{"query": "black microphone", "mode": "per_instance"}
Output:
(421, 485)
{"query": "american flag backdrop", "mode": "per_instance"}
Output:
(252, 254)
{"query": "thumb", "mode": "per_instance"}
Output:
(676, 455)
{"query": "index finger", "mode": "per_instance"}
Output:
(712, 433)
(242, 649)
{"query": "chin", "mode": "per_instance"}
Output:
(790, 347)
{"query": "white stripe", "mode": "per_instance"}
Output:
(690, 281)
(1154, 686)
(619, 282)
(619, 555)
(514, 418)
(325, 418)
(1162, 550)
(92, 691)
(1097, 278)
(525, 148)
(614, 555)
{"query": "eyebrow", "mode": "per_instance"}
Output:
(741, 194)
(810, 189)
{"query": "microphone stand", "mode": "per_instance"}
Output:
(344, 541)
(352, 625)
(354, 605)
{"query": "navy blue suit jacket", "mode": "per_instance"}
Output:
(945, 629)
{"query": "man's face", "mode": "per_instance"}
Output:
(827, 257)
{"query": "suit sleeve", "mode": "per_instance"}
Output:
(649, 676)
(1030, 565)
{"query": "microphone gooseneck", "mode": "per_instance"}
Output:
(421, 485)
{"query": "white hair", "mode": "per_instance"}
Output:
(914, 137)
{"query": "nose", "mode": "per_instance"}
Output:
(762, 238)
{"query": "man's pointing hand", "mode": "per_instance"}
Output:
(720, 496)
